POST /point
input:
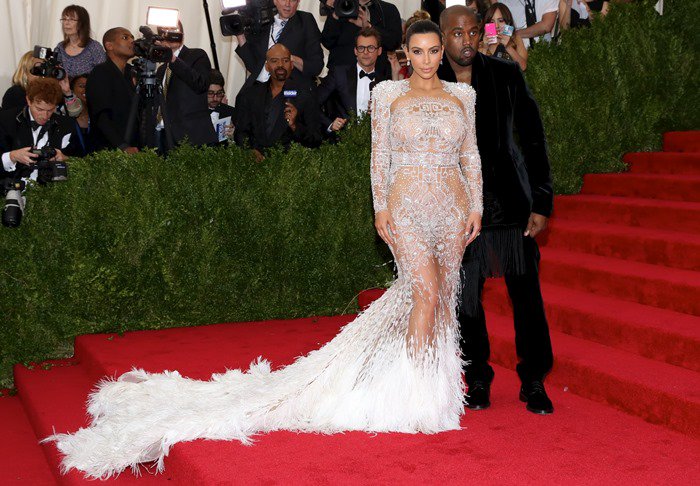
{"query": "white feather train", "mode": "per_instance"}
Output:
(361, 380)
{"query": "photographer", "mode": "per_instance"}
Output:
(110, 91)
(16, 95)
(298, 31)
(34, 127)
(339, 34)
(185, 81)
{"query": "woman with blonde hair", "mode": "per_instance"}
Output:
(510, 47)
(16, 95)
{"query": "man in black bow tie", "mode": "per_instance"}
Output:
(34, 126)
(346, 89)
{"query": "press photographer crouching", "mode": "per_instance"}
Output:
(34, 141)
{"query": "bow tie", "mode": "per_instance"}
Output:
(35, 125)
(371, 75)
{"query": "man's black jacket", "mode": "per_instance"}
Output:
(518, 179)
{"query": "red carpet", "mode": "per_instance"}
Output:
(621, 279)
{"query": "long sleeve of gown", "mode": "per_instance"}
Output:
(469, 158)
(381, 148)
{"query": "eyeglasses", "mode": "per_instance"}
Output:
(217, 94)
(369, 49)
(66, 20)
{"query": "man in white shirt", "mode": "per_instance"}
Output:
(296, 30)
(349, 87)
(534, 19)
(35, 126)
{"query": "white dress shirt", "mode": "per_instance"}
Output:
(161, 123)
(275, 31)
(362, 95)
(517, 8)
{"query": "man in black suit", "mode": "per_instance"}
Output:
(185, 81)
(278, 111)
(34, 126)
(295, 29)
(518, 199)
(219, 111)
(110, 91)
(349, 87)
(339, 35)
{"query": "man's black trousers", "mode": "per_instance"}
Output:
(532, 343)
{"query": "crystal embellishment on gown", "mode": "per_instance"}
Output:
(395, 368)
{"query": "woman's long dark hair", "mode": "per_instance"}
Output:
(83, 24)
(505, 13)
(423, 27)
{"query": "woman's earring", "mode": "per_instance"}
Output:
(440, 62)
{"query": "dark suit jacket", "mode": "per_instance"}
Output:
(14, 97)
(301, 36)
(340, 86)
(518, 180)
(186, 101)
(338, 36)
(109, 93)
(252, 105)
(225, 110)
(16, 132)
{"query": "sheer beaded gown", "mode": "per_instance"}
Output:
(395, 368)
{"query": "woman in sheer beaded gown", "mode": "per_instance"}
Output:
(397, 366)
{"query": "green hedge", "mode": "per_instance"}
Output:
(616, 87)
(208, 235)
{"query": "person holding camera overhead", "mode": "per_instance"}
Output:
(185, 81)
(78, 53)
(30, 68)
(110, 91)
(295, 29)
(339, 34)
(34, 126)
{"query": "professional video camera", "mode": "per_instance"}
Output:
(50, 67)
(146, 48)
(343, 9)
(12, 188)
(246, 16)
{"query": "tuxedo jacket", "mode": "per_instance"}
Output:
(224, 111)
(252, 105)
(340, 87)
(301, 36)
(110, 93)
(16, 132)
(517, 181)
(186, 101)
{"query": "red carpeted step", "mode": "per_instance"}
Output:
(654, 285)
(584, 432)
(368, 296)
(22, 459)
(657, 392)
(156, 351)
(663, 162)
(651, 332)
(628, 211)
(647, 245)
(583, 442)
(54, 399)
(655, 186)
(682, 141)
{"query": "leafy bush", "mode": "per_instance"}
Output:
(208, 235)
(616, 87)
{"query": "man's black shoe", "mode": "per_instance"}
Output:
(477, 398)
(537, 400)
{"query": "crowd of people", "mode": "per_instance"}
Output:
(283, 98)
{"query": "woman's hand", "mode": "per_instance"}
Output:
(504, 39)
(384, 224)
(473, 226)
